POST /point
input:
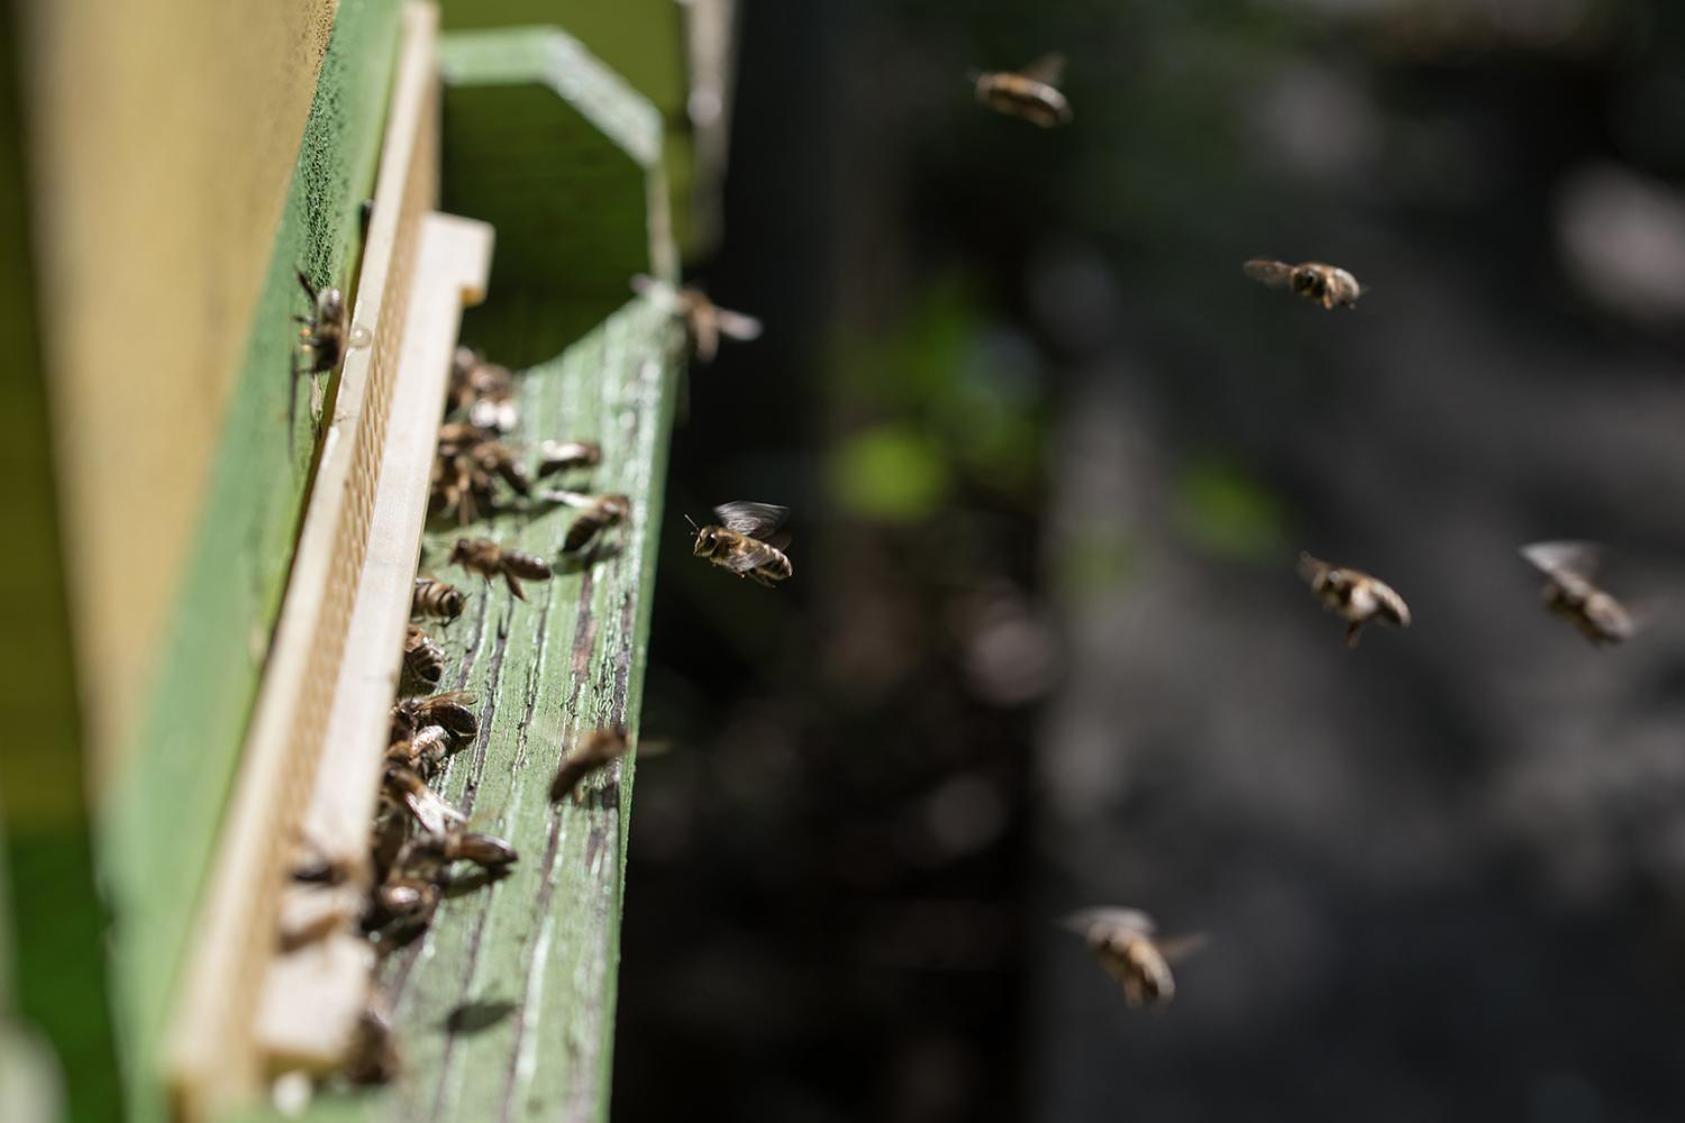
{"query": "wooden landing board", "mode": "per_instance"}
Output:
(314, 996)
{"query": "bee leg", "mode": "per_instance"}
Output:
(1354, 632)
(514, 585)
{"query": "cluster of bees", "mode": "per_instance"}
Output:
(1124, 940)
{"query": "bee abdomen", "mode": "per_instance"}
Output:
(523, 564)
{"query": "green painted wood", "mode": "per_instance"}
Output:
(641, 40)
(535, 954)
(564, 159)
(53, 980)
(160, 826)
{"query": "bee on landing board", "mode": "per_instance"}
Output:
(1328, 285)
(482, 390)
(705, 322)
(596, 514)
(452, 711)
(749, 541)
(435, 599)
(592, 751)
(1030, 94)
(424, 660)
(405, 787)
(1124, 942)
(489, 560)
(1353, 595)
(556, 457)
(1570, 592)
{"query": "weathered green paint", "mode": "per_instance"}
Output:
(161, 824)
(641, 40)
(52, 963)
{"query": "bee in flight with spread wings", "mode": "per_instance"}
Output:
(1353, 595)
(1126, 944)
(706, 323)
(1328, 285)
(749, 541)
(1030, 94)
(1570, 592)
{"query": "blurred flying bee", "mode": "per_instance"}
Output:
(424, 660)
(1326, 284)
(489, 560)
(556, 457)
(482, 390)
(1569, 591)
(749, 541)
(597, 514)
(405, 787)
(1123, 941)
(705, 322)
(1353, 595)
(591, 752)
(451, 711)
(435, 599)
(1030, 94)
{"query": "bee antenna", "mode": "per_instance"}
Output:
(694, 529)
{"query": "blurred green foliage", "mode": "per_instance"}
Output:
(1224, 511)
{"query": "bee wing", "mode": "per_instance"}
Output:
(1580, 558)
(779, 540)
(1049, 68)
(736, 325)
(358, 338)
(751, 557)
(1311, 568)
(1275, 274)
(757, 520)
(1391, 603)
(1177, 948)
(1114, 919)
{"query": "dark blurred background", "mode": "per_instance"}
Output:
(1052, 458)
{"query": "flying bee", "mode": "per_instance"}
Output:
(450, 711)
(1570, 592)
(485, 391)
(1030, 94)
(1354, 595)
(435, 599)
(591, 752)
(556, 457)
(597, 514)
(424, 660)
(1123, 941)
(489, 560)
(749, 541)
(405, 787)
(705, 322)
(1326, 284)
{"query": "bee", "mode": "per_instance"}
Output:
(597, 514)
(556, 457)
(424, 660)
(435, 599)
(591, 752)
(324, 333)
(705, 322)
(1569, 591)
(1326, 284)
(484, 850)
(374, 1057)
(1354, 595)
(405, 787)
(488, 559)
(424, 752)
(1123, 941)
(485, 391)
(749, 541)
(1030, 94)
(450, 711)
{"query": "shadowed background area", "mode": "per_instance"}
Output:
(1052, 458)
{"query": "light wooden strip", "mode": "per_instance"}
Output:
(210, 1054)
(314, 996)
